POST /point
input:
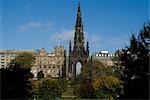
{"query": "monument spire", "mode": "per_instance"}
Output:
(70, 48)
(79, 53)
(87, 48)
(79, 18)
(79, 35)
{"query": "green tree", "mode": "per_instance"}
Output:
(93, 70)
(48, 90)
(107, 87)
(89, 74)
(40, 75)
(135, 59)
(63, 84)
(24, 61)
(15, 80)
(117, 69)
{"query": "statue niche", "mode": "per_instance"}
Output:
(79, 53)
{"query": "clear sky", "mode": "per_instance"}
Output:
(36, 24)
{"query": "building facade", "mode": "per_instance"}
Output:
(6, 56)
(108, 59)
(51, 64)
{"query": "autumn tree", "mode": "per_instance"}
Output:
(35, 86)
(107, 87)
(89, 73)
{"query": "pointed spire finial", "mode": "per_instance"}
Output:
(79, 18)
(78, 5)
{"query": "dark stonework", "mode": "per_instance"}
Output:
(79, 52)
(64, 66)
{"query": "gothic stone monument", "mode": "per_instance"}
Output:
(79, 52)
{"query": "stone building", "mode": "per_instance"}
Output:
(7, 55)
(52, 64)
(105, 57)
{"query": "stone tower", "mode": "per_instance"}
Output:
(79, 52)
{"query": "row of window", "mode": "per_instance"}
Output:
(54, 67)
(49, 59)
(105, 55)
(8, 54)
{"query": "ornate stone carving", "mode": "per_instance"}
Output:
(79, 53)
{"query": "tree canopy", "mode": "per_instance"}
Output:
(15, 80)
(107, 87)
(48, 89)
(135, 60)
(93, 81)
(40, 75)
(24, 60)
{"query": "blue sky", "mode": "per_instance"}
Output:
(36, 24)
